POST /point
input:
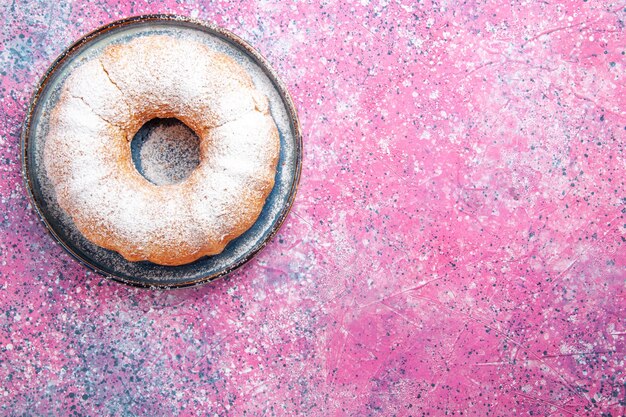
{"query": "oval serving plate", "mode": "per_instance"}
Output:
(147, 274)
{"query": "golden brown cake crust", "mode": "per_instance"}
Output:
(107, 99)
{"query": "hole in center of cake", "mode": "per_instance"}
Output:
(165, 151)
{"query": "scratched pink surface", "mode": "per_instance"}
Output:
(457, 246)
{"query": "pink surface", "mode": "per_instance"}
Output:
(456, 246)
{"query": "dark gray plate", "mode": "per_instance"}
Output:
(147, 274)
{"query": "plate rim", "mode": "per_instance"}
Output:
(208, 27)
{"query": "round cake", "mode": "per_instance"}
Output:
(106, 100)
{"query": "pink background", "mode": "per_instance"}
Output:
(456, 246)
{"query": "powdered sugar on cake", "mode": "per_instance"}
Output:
(87, 150)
